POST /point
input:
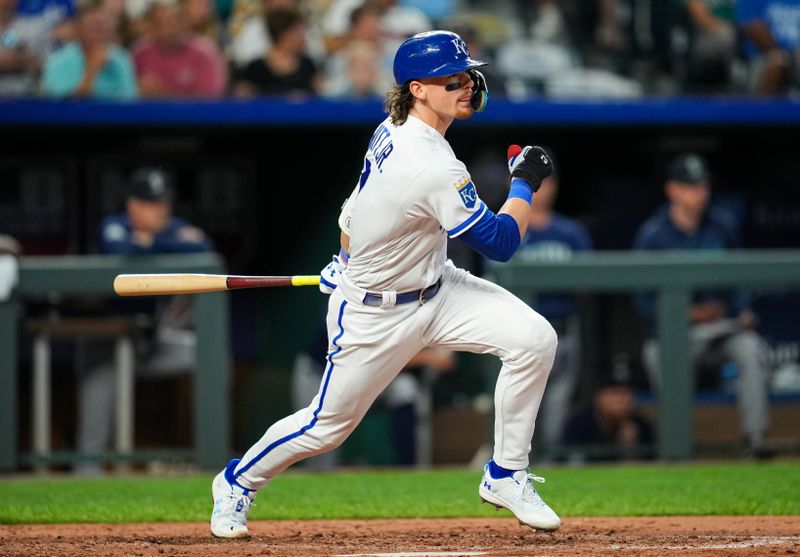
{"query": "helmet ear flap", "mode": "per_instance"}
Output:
(480, 92)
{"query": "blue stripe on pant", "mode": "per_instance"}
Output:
(311, 424)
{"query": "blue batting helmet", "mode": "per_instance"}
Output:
(432, 54)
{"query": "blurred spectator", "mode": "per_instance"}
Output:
(721, 323)
(628, 37)
(362, 44)
(247, 29)
(611, 426)
(594, 30)
(201, 19)
(51, 20)
(172, 62)
(532, 59)
(363, 77)
(771, 29)
(21, 55)
(134, 21)
(434, 10)
(365, 25)
(91, 66)
(712, 44)
(548, 25)
(147, 227)
(284, 69)
(397, 22)
(400, 21)
(553, 237)
(117, 21)
(400, 397)
(338, 22)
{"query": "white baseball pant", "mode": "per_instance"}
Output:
(368, 346)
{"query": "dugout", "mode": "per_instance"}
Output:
(266, 179)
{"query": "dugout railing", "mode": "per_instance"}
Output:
(63, 276)
(672, 276)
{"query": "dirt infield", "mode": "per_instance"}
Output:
(640, 537)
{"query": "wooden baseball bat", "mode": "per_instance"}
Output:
(194, 283)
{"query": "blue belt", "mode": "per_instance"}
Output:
(421, 296)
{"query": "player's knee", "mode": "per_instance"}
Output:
(548, 342)
(535, 339)
(331, 431)
(548, 336)
(540, 336)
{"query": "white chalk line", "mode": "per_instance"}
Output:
(753, 542)
(416, 554)
(750, 543)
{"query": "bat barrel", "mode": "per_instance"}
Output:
(164, 284)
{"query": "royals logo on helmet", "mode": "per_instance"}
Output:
(461, 46)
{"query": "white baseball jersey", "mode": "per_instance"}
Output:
(413, 192)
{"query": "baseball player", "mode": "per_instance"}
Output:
(399, 293)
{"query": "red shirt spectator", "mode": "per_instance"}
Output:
(170, 62)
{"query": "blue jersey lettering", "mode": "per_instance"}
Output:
(383, 155)
(381, 145)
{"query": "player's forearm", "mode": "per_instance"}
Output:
(519, 210)
(494, 236)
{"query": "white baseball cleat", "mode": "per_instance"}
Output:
(517, 494)
(231, 504)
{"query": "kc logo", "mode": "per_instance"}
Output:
(461, 47)
(468, 194)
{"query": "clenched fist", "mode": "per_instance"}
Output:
(531, 164)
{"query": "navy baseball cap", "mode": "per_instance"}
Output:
(688, 168)
(150, 184)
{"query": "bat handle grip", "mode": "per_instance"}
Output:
(305, 280)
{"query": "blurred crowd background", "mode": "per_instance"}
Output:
(126, 49)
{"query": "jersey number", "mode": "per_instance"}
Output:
(362, 180)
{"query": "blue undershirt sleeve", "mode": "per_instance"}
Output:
(494, 236)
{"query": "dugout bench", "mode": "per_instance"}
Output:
(93, 275)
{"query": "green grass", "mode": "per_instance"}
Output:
(724, 489)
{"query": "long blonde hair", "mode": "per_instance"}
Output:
(399, 101)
